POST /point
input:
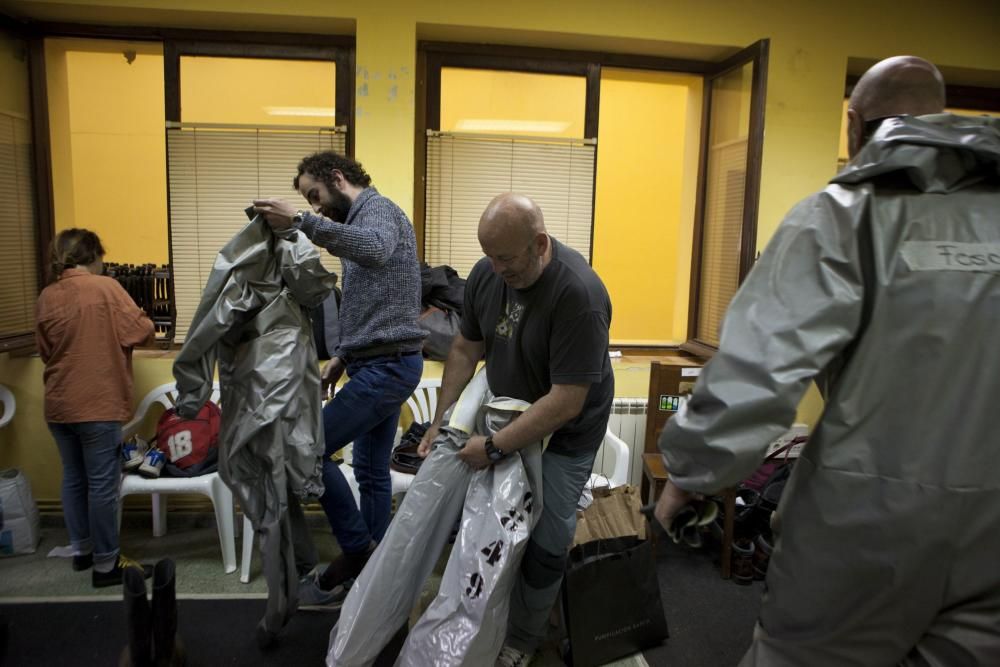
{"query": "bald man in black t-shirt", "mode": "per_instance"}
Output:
(540, 315)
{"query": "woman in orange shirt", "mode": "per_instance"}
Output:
(86, 326)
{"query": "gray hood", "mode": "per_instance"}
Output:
(966, 151)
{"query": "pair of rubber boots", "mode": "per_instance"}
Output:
(152, 629)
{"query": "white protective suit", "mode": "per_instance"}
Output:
(885, 289)
(251, 320)
(499, 506)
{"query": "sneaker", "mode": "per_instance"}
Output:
(152, 464)
(512, 657)
(312, 596)
(133, 452)
(83, 561)
(113, 577)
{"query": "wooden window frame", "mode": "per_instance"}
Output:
(432, 56)
(24, 343)
(757, 53)
(176, 42)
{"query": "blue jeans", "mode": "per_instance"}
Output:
(91, 483)
(365, 411)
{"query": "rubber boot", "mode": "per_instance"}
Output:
(761, 556)
(138, 652)
(743, 550)
(168, 651)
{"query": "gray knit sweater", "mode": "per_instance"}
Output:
(381, 281)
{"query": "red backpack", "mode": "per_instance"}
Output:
(191, 446)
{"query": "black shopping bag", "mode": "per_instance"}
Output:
(611, 598)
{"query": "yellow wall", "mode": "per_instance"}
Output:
(26, 442)
(108, 150)
(642, 218)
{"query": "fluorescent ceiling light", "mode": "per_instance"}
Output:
(502, 125)
(315, 112)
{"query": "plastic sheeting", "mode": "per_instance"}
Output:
(251, 322)
(499, 505)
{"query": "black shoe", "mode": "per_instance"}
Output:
(113, 577)
(344, 567)
(266, 639)
(83, 561)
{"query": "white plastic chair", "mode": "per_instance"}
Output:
(209, 485)
(9, 405)
(611, 463)
(422, 403)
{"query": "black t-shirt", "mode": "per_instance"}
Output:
(554, 332)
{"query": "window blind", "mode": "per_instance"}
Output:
(18, 256)
(214, 172)
(721, 236)
(466, 171)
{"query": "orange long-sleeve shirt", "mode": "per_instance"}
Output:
(86, 326)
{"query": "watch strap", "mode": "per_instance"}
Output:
(492, 451)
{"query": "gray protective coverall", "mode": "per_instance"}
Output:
(885, 289)
(251, 320)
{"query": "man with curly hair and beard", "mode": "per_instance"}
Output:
(380, 349)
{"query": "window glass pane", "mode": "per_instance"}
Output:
(257, 91)
(725, 183)
(498, 102)
(647, 177)
(214, 173)
(465, 172)
(106, 123)
(18, 223)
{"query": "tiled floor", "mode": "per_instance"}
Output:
(192, 541)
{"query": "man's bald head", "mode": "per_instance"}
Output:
(512, 214)
(512, 235)
(897, 86)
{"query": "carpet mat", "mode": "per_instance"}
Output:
(215, 632)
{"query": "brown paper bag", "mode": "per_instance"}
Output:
(614, 513)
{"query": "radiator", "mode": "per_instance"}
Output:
(628, 422)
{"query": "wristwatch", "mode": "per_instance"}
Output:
(492, 451)
(298, 218)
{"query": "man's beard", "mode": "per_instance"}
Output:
(339, 206)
